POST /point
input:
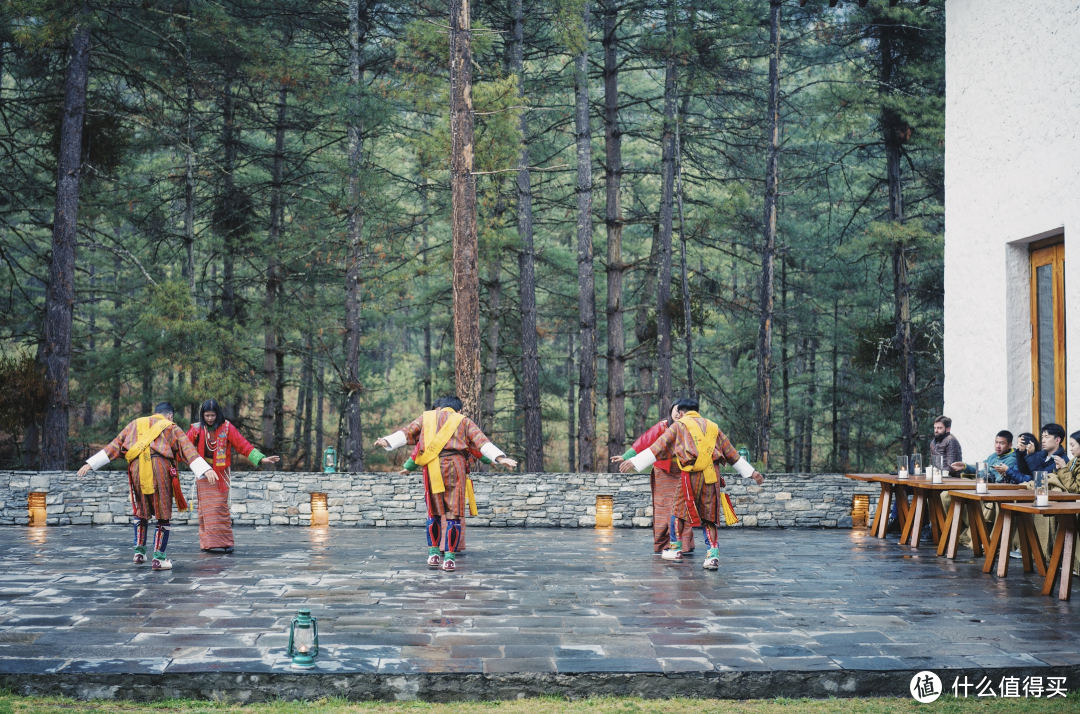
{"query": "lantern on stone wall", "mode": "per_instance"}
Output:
(319, 514)
(330, 460)
(36, 507)
(304, 640)
(604, 507)
(744, 453)
(860, 510)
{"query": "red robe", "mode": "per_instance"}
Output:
(665, 487)
(215, 521)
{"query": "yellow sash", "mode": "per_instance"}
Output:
(470, 496)
(146, 433)
(434, 440)
(705, 443)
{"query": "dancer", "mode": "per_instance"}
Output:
(219, 438)
(444, 439)
(664, 485)
(152, 446)
(696, 444)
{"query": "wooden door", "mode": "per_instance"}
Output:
(1048, 335)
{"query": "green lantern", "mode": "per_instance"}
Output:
(330, 461)
(744, 453)
(304, 640)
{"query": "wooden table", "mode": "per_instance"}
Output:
(1031, 553)
(912, 515)
(1064, 545)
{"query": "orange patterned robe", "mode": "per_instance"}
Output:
(677, 442)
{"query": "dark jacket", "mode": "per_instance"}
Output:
(1039, 461)
(949, 447)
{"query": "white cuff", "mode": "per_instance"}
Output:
(199, 466)
(491, 451)
(643, 460)
(99, 460)
(744, 468)
(395, 440)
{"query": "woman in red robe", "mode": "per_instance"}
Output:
(215, 438)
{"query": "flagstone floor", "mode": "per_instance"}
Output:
(540, 600)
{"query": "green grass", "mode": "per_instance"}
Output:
(12, 704)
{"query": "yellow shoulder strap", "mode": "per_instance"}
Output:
(145, 433)
(434, 441)
(704, 442)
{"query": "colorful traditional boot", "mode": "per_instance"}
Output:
(140, 555)
(712, 559)
(448, 563)
(161, 541)
(673, 552)
(140, 542)
(434, 557)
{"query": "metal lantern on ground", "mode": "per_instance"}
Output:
(604, 507)
(304, 640)
(860, 510)
(330, 460)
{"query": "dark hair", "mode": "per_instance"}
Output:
(164, 408)
(944, 421)
(1006, 435)
(450, 401)
(1075, 436)
(686, 405)
(210, 405)
(1027, 437)
(1053, 430)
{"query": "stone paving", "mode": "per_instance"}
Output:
(524, 601)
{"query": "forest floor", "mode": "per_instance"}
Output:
(529, 612)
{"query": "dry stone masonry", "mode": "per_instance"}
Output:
(504, 500)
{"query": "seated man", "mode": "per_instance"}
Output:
(1004, 456)
(1052, 436)
(1027, 444)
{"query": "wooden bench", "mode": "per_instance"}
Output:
(1061, 557)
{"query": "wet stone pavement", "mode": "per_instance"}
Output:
(522, 601)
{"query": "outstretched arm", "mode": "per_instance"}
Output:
(112, 450)
(401, 437)
(478, 441)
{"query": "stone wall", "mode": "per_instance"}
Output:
(388, 499)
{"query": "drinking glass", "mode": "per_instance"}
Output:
(980, 478)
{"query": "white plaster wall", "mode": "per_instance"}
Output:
(1012, 174)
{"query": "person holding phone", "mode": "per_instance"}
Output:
(1051, 436)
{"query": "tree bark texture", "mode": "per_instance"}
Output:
(645, 361)
(571, 428)
(688, 325)
(667, 194)
(491, 374)
(353, 439)
(189, 164)
(530, 355)
(463, 214)
(60, 294)
(616, 340)
(270, 345)
(768, 247)
(586, 278)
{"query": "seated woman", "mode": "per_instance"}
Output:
(1067, 476)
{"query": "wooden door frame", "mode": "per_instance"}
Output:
(1050, 251)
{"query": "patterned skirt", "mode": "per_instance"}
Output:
(665, 488)
(451, 502)
(157, 504)
(706, 497)
(215, 523)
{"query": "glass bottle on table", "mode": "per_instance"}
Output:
(1042, 493)
(980, 478)
(901, 467)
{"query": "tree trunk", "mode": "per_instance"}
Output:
(189, 164)
(427, 316)
(492, 373)
(91, 341)
(786, 373)
(319, 409)
(765, 300)
(308, 387)
(811, 395)
(353, 439)
(833, 452)
(270, 346)
(688, 332)
(901, 284)
(667, 193)
(147, 392)
(530, 358)
(463, 218)
(645, 364)
(571, 429)
(616, 347)
(60, 294)
(586, 280)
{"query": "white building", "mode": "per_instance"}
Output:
(1012, 217)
